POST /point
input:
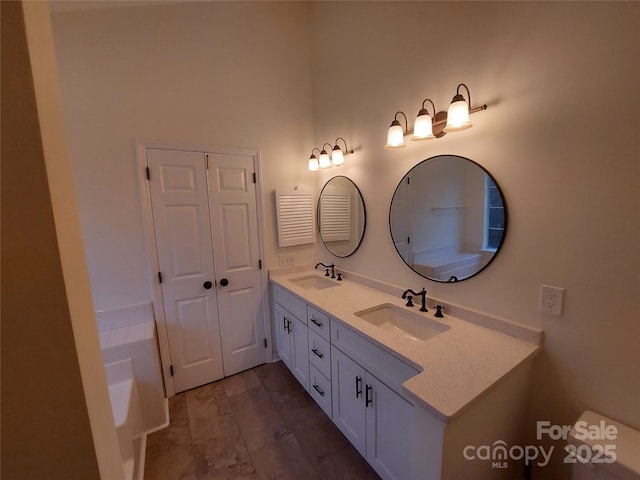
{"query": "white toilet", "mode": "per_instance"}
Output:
(600, 448)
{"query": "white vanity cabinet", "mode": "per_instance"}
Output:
(376, 419)
(292, 337)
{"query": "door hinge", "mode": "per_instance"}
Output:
(148, 173)
(207, 161)
(259, 264)
(408, 180)
(408, 239)
(160, 277)
(254, 177)
(265, 343)
(171, 370)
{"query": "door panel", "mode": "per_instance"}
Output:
(180, 207)
(232, 195)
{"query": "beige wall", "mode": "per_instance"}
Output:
(284, 77)
(228, 74)
(559, 139)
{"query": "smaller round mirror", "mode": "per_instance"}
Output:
(448, 218)
(341, 216)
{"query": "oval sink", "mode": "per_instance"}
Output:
(314, 281)
(394, 319)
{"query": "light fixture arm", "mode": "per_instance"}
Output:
(427, 111)
(323, 149)
(346, 149)
(315, 150)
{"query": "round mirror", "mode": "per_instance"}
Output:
(448, 218)
(341, 216)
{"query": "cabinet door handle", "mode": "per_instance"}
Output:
(358, 387)
(317, 389)
(367, 396)
(288, 326)
(317, 353)
(316, 322)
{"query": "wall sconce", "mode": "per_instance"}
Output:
(324, 161)
(436, 126)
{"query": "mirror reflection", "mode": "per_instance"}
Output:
(341, 216)
(447, 218)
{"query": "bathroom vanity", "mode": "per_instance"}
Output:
(408, 390)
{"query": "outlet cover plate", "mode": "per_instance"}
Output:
(551, 299)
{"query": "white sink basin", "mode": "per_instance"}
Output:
(394, 319)
(314, 281)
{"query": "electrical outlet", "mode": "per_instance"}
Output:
(551, 300)
(287, 260)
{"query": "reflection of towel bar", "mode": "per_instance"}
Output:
(443, 207)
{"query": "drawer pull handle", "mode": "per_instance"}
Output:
(319, 324)
(367, 395)
(358, 387)
(317, 353)
(287, 325)
(317, 389)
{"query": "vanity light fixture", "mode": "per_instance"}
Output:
(436, 126)
(324, 161)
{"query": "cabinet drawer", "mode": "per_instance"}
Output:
(320, 353)
(292, 303)
(319, 321)
(320, 390)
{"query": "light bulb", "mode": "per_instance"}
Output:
(324, 159)
(423, 129)
(395, 136)
(458, 115)
(337, 157)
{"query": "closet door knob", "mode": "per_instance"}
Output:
(224, 282)
(207, 284)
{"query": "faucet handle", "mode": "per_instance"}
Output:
(438, 313)
(326, 272)
(339, 277)
(409, 301)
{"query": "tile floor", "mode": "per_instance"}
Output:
(258, 424)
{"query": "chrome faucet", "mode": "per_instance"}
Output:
(332, 267)
(422, 293)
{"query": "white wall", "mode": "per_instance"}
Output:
(559, 138)
(229, 74)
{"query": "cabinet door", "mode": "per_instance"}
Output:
(283, 338)
(300, 352)
(347, 390)
(390, 431)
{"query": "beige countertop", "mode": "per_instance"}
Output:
(456, 366)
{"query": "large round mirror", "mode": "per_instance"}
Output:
(341, 216)
(448, 218)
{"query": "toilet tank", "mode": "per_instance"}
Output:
(600, 448)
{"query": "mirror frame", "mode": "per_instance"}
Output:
(504, 205)
(364, 213)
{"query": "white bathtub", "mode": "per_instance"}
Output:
(125, 404)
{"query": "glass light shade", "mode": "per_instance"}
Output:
(337, 157)
(313, 163)
(395, 136)
(423, 128)
(458, 115)
(324, 159)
